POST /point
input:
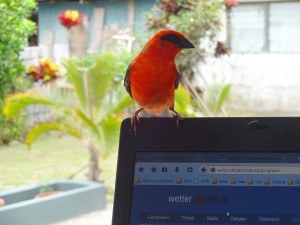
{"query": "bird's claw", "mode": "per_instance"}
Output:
(178, 118)
(135, 122)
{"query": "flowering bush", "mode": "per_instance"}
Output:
(200, 21)
(166, 9)
(70, 18)
(46, 70)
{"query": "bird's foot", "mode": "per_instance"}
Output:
(135, 121)
(176, 116)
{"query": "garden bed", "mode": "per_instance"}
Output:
(75, 198)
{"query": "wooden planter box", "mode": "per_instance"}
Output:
(76, 198)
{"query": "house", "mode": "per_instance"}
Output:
(265, 50)
(102, 19)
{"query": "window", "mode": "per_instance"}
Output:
(265, 27)
(33, 39)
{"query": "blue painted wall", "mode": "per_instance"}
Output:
(116, 12)
(142, 7)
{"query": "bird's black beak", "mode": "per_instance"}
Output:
(185, 43)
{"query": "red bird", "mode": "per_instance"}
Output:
(152, 77)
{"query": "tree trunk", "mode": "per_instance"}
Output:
(94, 170)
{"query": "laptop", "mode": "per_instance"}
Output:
(209, 171)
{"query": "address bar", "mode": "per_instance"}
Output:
(253, 170)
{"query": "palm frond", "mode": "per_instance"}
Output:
(92, 78)
(183, 102)
(87, 123)
(75, 72)
(124, 103)
(223, 97)
(109, 132)
(60, 94)
(17, 102)
(41, 128)
(100, 78)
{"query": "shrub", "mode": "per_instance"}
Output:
(15, 28)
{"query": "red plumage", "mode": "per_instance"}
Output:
(152, 77)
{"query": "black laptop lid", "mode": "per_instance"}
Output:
(209, 171)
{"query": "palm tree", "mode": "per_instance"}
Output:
(88, 109)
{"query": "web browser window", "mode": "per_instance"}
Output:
(216, 188)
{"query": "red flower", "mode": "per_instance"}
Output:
(230, 3)
(70, 18)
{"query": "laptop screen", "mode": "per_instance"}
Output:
(215, 188)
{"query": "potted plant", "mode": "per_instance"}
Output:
(47, 190)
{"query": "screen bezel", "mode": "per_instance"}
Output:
(272, 134)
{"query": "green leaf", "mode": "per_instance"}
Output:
(183, 102)
(109, 131)
(62, 95)
(93, 79)
(76, 75)
(100, 78)
(124, 103)
(87, 122)
(41, 128)
(223, 97)
(17, 102)
(15, 28)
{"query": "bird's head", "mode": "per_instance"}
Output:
(168, 42)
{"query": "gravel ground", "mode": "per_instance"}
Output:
(101, 217)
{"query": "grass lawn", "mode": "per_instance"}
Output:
(51, 157)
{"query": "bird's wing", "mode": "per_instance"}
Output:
(127, 80)
(177, 81)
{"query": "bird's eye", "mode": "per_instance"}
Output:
(173, 38)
